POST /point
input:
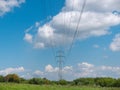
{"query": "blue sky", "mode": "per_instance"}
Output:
(28, 30)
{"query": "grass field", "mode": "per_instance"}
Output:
(11, 86)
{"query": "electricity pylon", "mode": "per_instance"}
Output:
(60, 59)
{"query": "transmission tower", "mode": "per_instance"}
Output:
(60, 59)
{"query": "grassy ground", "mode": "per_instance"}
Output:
(11, 86)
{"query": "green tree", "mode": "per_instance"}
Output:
(117, 83)
(105, 82)
(2, 78)
(12, 78)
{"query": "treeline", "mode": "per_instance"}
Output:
(99, 81)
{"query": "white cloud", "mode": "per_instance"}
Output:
(28, 38)
(94, 5)
(115, 45)
(68, 68)
(85, 65)
(96, 21)
(37, 24)
(39, 45)
(28, 75)
(46, 31)
(83, 69)
(90, 70)
(49, 68)
(12, 70)
(38, 72)
(8, 5)
(52, 72)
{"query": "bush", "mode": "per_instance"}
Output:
(39, 81)
(62, 82)
(84, 81)
(22, 80)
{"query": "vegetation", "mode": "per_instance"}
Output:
(39, 81)
(12, 78)
(13, 86)
(90, 82)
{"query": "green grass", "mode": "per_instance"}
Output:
(11, 86)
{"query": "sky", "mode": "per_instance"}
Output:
(32, 33)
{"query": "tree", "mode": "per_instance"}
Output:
(12, 78)
(117, 83)
(105, 82)
(1, 79)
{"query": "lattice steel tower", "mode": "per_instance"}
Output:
(60, 59)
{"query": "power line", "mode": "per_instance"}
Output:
(71, 17)
(77, 27)
(60, 54)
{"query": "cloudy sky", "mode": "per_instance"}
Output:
(32, 32)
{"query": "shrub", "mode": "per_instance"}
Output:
(84, 81)
(62, 82)
(39, 81)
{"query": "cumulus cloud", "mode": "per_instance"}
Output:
(83, 69)
(28, 37)
(115, 45)
(89, 70)
(94, 5)
(49, 68)
(8, 5)
(51, 72)
(12, 70)
(37, 73)
(96, 21)
(67, 68)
